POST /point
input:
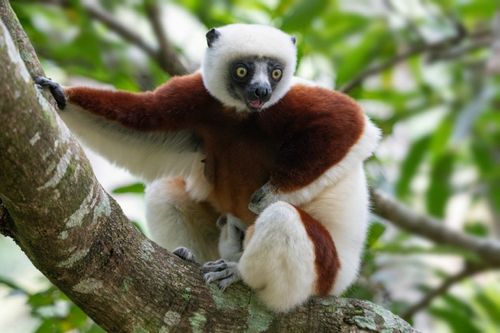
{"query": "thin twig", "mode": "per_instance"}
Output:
(454, 53)
(170, 63)
(468, 271)
(416, 50)
(167, 54)
(121, 30)
(398, 214)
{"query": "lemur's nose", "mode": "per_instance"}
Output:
(262, 92)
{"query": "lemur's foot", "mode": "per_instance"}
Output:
(224, 273)
(55, 89)
(184, 253)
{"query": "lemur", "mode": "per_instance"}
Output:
(243, 139)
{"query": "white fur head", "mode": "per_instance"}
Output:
(268, 46)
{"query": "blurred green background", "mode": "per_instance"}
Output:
(426, 72)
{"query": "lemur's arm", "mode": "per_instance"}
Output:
(148, 133)
(175, 105)
(325, 134)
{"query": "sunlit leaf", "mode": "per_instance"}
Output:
(302, 14)
(410, 165)
(137, 188)
(490, 304)
(376, 231)
(440, 187)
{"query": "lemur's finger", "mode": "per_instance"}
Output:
(224, 283)
(214, 276)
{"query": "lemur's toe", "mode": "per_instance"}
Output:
(55, 89)
(184, 253)
(226, 282)
(224, 273)
(214, 266)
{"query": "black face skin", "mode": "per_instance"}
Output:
(245, 83)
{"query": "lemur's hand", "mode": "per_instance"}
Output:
(55, 89)
(262, 198)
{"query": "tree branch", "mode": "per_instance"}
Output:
(168, 56)
(432, 48)
(468, 271)
(165, 56)
(487, 250)
(77, 235)
(169, 62)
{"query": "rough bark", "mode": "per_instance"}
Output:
(77, 235)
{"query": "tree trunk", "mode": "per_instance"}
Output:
(78, 237)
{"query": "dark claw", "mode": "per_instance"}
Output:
(185, 254)
(55, 89)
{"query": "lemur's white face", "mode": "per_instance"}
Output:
(248, 67)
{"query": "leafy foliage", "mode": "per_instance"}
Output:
(437, 106)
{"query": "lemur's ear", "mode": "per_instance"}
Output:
(212, 36)
(294, 40)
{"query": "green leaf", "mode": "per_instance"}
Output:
(439, 189)
(490, 304)
(483, 157)
(441, 137)
(376, 231)
(50, 325)
(457, 313)
(360, 57)
(76, 317)
(131, 188)
(44, 298)
(410, 166)
(476, 228)
(301, 15)
(478, 8)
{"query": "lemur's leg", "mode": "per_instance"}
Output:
(294, 253)
(225, 270)
(178, 223)
(232, 233)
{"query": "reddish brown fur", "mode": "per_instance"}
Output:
(291, 144)
(327, 261)
(318, 127)
(180, 103)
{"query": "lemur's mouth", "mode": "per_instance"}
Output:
(256, 104)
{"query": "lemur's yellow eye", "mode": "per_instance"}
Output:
(276, 74)
(241, 71)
